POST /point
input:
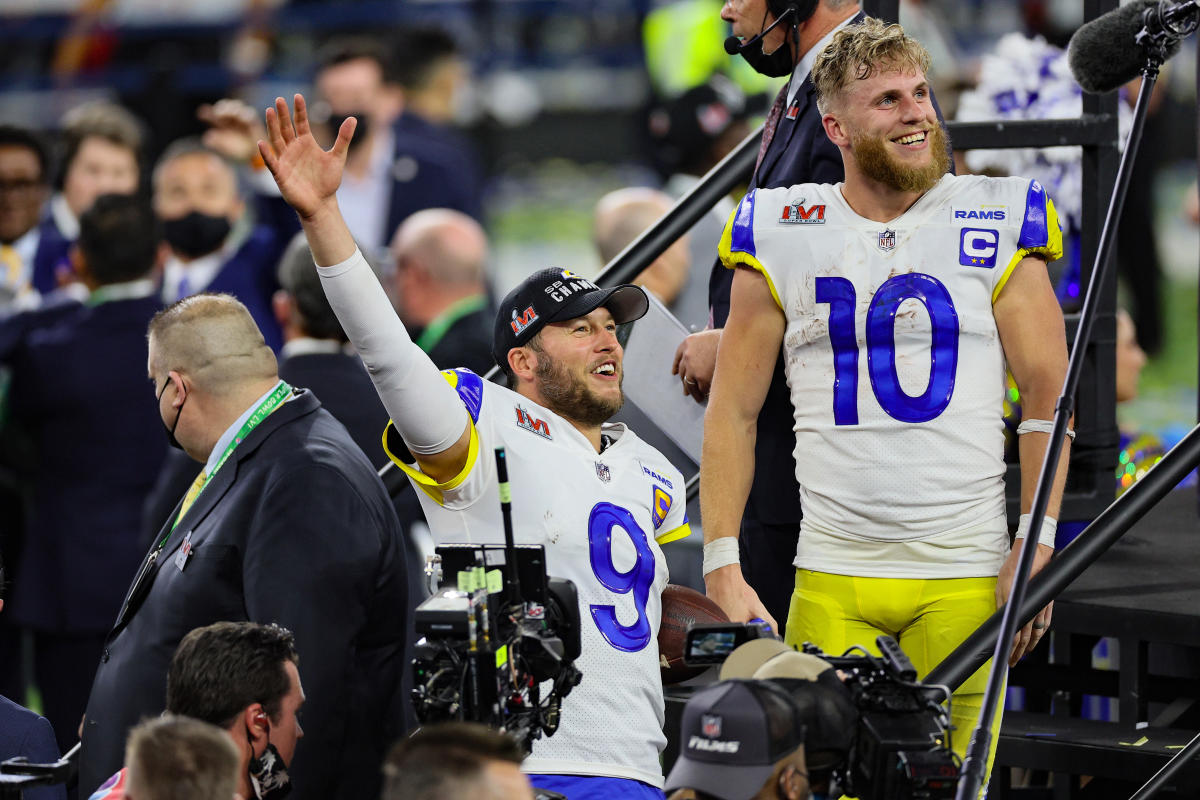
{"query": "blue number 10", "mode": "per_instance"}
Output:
(881, 347)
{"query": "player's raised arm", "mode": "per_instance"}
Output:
(424, 408)
(745, 362)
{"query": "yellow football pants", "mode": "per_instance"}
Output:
(928, 617)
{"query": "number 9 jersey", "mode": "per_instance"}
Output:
(601, 517)
(895, 366)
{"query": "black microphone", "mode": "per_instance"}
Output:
(1113, 48)
(734, 45)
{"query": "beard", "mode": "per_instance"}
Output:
(877, 162)
(568, 395)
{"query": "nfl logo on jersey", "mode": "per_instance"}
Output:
(887, 239)
(603, 472)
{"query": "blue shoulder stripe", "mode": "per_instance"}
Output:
(469, 387)
(742, 236)
(1033, 229)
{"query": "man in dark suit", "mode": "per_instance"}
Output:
(94, 450)
(24, 733)
(287, 522)
(794, 150)
(196, 196)
(24, 185)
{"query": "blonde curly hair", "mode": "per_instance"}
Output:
(859, 51)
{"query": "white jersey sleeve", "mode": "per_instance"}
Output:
(894, 365)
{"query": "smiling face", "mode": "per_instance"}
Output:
(577, 370)
(99, 167)
(889, 127)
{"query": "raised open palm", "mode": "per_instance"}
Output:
(307, 176)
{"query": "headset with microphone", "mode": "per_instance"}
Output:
(797, 10)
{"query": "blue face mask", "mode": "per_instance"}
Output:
(171, 440)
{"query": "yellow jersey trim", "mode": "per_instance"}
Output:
(431, 487)
(675, 534)
(1051, 252)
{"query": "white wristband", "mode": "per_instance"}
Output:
(721, 553)
(1040, 426)
(1049, 529)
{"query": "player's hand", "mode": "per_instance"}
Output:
(233, 129)
(307, 176)
(1028, 637)
(695, 361)
(728, 588)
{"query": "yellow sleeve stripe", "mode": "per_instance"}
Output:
(1051, 252)
(427, 484)
(733, 260)
(675, 534)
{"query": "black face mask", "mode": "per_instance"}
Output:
(775, 64)
(360, 131)
(171, 440)
(269, 776)
(196, 234)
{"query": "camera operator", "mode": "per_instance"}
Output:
(242, 677)
(576, 481)
(463, 760)
(741, 740)
(179, 758)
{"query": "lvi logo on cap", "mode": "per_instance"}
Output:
(520, 323)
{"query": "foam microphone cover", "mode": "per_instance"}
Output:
(733, 45)
(1103, 53)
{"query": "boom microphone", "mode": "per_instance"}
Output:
(734, 45)
(1115, 47)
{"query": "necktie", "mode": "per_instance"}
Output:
(771, 124)
(10, 267)
(192, 493)
(185, 288)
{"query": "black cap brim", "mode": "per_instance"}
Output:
(626, 303)
(724, 781)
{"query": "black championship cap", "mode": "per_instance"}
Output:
(732, 735)
(554, 295)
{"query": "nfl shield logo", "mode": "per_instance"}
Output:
(710, 725)
(887, 239)
(602, 472)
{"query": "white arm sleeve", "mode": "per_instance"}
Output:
(425, 409)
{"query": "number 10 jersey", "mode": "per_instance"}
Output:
(895, 366)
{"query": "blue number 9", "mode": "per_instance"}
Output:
(638, 580)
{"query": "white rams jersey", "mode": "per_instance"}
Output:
(601, 518)
(895, 366)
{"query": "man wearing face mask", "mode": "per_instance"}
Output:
(212, 249)
(286, 522)
(395, 166)
(242, 677)
(794, 150)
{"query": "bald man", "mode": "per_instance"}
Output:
(286, 522)
(439, 287)
(622, 216)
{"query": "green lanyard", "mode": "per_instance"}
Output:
(273, 401)
(432, 335)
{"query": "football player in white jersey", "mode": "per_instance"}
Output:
(599, 499)
(896, 299)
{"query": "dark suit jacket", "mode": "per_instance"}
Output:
(79, 393)
(433, 167)
(295, 528)
(52, 250)
(341, 383)
(24, 733)
(250, 276)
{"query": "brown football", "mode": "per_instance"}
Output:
(681, 606)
